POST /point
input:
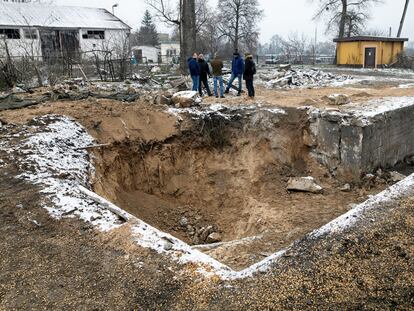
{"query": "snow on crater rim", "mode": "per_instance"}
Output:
(55, 161)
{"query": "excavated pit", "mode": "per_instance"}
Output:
(225, 172)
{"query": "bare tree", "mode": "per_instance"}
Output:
(209, 38)
(344, 16)
(295, 47)
(8, 70)
(239, 20)
(181, 13)
(203, 14)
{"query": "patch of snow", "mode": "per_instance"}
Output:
(55, 161)
(406, 86)
(379, 106)
(225, 111)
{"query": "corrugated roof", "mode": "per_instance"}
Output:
(369, 38)
(27, 14)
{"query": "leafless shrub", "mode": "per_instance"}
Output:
(405, 61)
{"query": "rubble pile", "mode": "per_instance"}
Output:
(288, 78)
(200, 234)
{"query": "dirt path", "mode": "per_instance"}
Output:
(314, 97)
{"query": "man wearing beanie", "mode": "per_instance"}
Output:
(249, 72)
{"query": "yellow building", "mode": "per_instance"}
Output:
(367, 51)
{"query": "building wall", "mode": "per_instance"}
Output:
(115, 41)
(170, 52)
(353, 53)
(354, 143)
(28, 47)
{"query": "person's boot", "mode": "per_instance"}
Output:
(226, 91)
(239, 93)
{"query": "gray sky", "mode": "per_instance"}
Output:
(281, 16)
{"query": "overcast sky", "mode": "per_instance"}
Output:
(280, 16)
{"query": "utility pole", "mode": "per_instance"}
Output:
(314, 45)
(403, 18)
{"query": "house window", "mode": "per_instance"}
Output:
(30, 34)
(93, 34)
(172, 52)
(9, 33)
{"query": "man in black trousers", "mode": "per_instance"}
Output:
(249, 72)
(204, 74)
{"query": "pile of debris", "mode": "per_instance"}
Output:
(200, 234)
(287, 78)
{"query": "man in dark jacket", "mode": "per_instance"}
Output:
(217, 66)
(204, 74)
(194, 71)
(249, 72)
(237, 69)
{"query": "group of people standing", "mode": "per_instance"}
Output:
(240, 69)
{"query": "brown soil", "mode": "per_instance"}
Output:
(238, 188)
(106, 120)
(235, 179)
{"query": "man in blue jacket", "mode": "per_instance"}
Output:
(237, 69)
(194, 68)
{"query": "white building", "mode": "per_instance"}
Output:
(170, 52)
(48, 31)
(146, 54)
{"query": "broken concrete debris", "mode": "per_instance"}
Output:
(214, 238)
(345, 188)
(180, 84)
(396, 177)
(339, 99)
(297, 78)
(168, 245)
(185, 99)
(161, 99)
(156, 69)
(183, 222)
(303, 184)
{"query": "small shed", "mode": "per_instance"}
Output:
(368, 51)
(146, 54)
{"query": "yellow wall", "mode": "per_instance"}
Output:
(353, 53)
